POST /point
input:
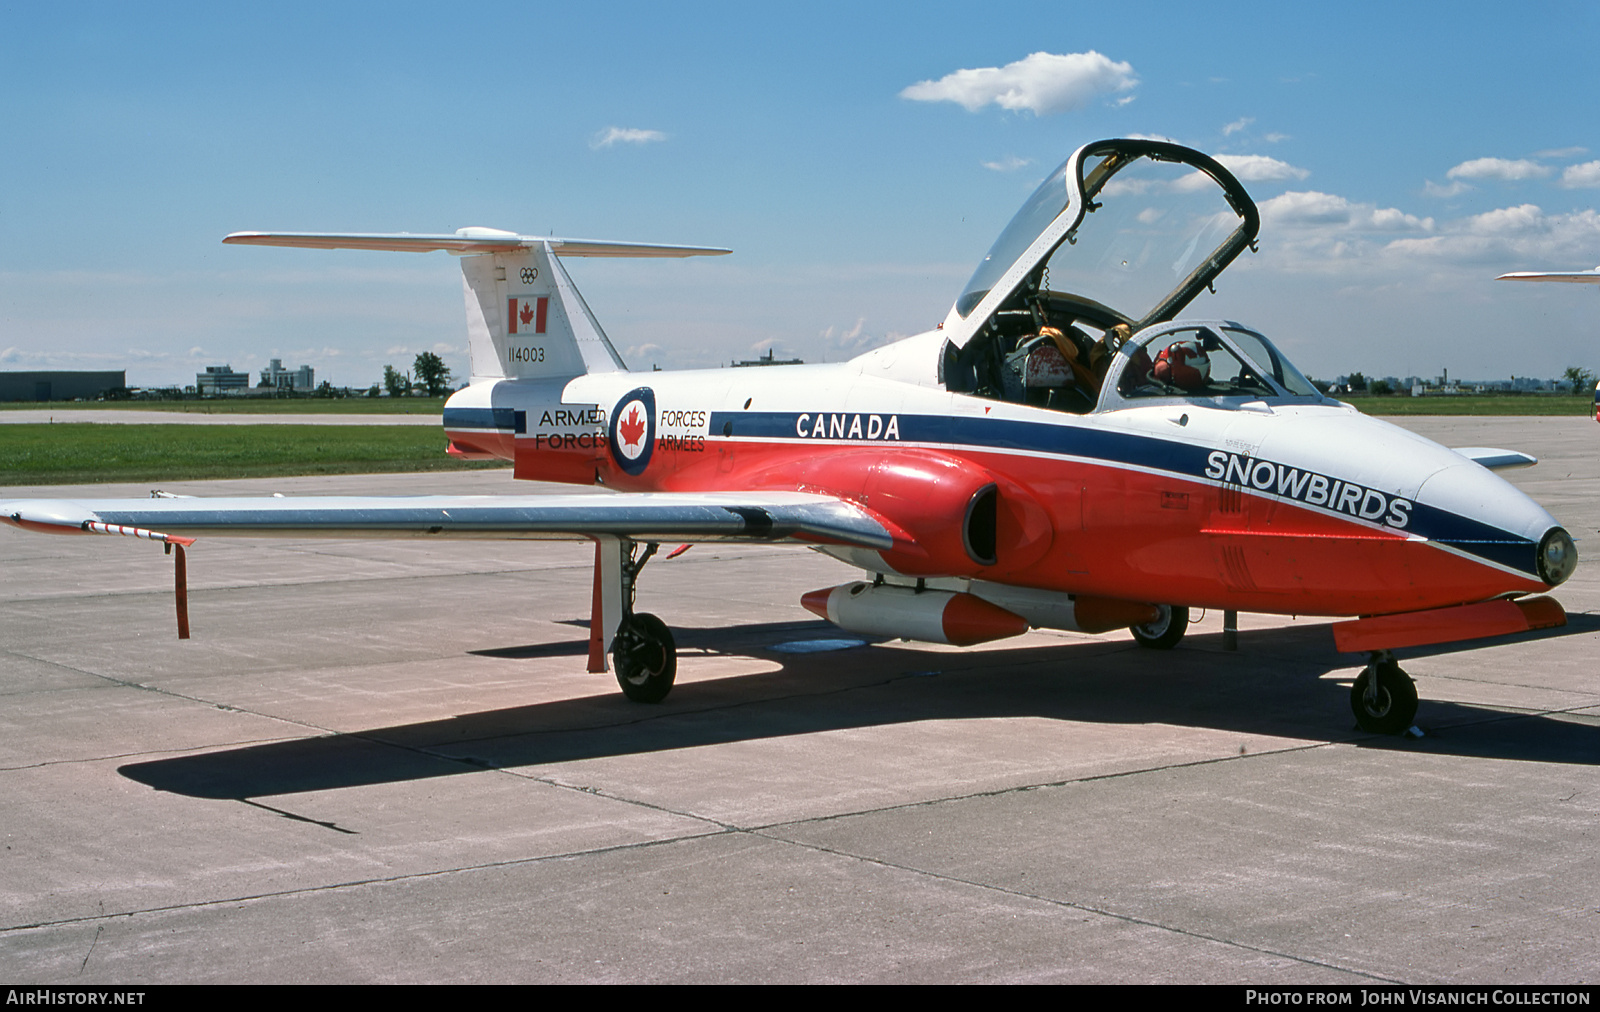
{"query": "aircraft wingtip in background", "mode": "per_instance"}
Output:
(1063, 452)
(1571, 277)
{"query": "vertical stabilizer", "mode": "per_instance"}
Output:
(526, 320)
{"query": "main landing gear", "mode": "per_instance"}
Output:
(643, 653)
(645, 657)
(1384, 698)
(1165, 632)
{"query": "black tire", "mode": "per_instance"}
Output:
(1165, 632)
(1395, 708)
(645, 658)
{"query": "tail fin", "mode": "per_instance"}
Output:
(525, 318)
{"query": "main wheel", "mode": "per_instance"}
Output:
(1165, 632)
(645, 658)
(1393, 708)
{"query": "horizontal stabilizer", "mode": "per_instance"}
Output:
(1496, 460)
(468, 241)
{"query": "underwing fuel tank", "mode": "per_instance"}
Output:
(931, 616)
(963, 619)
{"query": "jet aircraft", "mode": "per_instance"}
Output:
(1567, 277)
(1062, 451)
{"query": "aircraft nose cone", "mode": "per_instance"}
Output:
(1558, 556)
(1483, 515)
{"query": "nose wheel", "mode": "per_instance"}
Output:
(1384, 698)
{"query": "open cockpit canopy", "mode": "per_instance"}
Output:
(1123, 235)
(1130, 230)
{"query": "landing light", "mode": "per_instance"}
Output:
(1558, 556)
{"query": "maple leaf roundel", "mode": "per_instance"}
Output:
(633, 430)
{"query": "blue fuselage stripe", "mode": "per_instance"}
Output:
(1112, 448)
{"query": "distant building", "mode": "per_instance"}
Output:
(279, 378)
(767, 359)
(221, 379)
(58, 385)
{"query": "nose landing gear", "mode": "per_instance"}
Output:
(1384, 698)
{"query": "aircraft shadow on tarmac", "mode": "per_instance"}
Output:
(1271, 687)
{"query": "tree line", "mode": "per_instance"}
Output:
(432, 378)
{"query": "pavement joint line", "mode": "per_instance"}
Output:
(1043, 785)
(166, 592)
(1086, 908)
(686, 712)
(126, 684)
(1514, 685)
(243, 743)
(598, 792)
(1500, 714)
(375, 881)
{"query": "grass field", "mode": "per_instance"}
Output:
(82, 453)
(253, 406)
(1469, 404)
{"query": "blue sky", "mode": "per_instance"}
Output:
(1403, 156)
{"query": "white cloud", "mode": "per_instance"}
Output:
(1311, 208)
(1247, 168)
(1237, 125)
(611, 136)
(1260, 168)
(1455, 189)
(1042, 83)
(642, 355)
(1504, 220)
(850, 343)
(1509, 238)
(1499, 168)
(1571, 152)
(1305, 207)
(1010, 163)
(1275, 138)
(1583, 176)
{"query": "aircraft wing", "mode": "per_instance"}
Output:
(651, 516)
(1571, 277)
(1494, 459)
